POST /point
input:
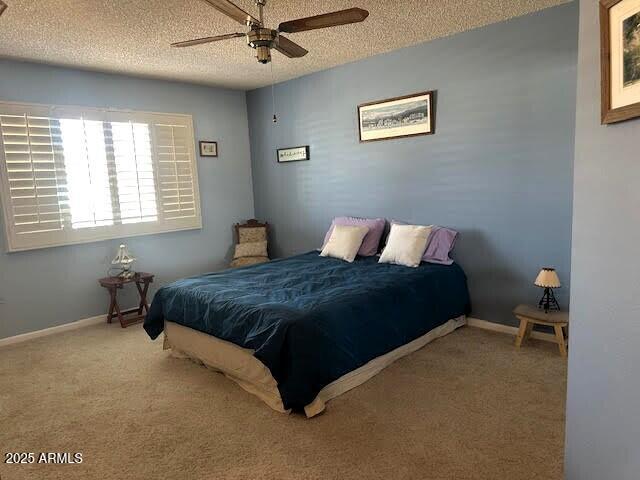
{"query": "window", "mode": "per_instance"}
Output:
(73, 175)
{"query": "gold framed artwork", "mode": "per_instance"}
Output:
(620, 59)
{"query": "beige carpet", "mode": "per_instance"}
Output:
(468, 406)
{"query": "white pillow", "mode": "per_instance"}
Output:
(344, 242)
(406, 245)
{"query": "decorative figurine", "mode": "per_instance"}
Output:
(124, 260)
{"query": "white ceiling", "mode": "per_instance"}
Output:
(133, 36)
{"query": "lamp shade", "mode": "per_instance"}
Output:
(547, 278)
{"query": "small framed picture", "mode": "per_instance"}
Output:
(398, 117)
(208, 149)
(620, 51)
(293, 154)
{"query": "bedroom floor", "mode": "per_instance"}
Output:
(467, 406)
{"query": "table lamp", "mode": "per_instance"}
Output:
(548, 279)
(124, 260)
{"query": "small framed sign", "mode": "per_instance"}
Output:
(293, 154)
(208, 149)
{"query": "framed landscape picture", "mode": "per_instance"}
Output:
(398, 117)
(620, 57)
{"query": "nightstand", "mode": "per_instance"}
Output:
(132, 315)
(530, 316)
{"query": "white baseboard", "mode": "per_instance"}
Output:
(472, 322)
(50, 331)
(498, 327)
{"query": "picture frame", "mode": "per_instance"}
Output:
(398, 117)
(620, 60)
(208, 149)
(293, 154)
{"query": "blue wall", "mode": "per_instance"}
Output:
(603, 424)
(499, 168)
(43, 288)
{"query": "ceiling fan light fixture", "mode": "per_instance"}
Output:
(262, 39)
(263, 54)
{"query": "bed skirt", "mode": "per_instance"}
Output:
(239, 364)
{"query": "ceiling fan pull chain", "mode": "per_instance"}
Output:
(261, 4)
(273, 95)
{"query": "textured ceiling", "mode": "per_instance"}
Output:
(133, 36)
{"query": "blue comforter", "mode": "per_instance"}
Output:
(312, 319)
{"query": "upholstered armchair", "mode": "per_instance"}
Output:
(251, 243)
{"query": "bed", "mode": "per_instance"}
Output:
(299, 331)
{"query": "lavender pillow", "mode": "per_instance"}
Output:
(439, 246)
(371, 240)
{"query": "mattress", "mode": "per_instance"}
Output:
(311, 320)
(240, 365)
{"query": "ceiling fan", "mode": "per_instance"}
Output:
(3, 7)
(263, 39)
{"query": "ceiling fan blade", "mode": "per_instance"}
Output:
(3, 7)
(200, 41)
(289, 48)
(233, 11)
(343, 17)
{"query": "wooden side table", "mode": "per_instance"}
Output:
(132, 315)
(530, 316)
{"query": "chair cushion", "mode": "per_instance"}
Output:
(251, 249)
(252, 234)
(245, 261)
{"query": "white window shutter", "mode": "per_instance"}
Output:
(73, 175)
(131, 146)
(36, 185)
(175, 173)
